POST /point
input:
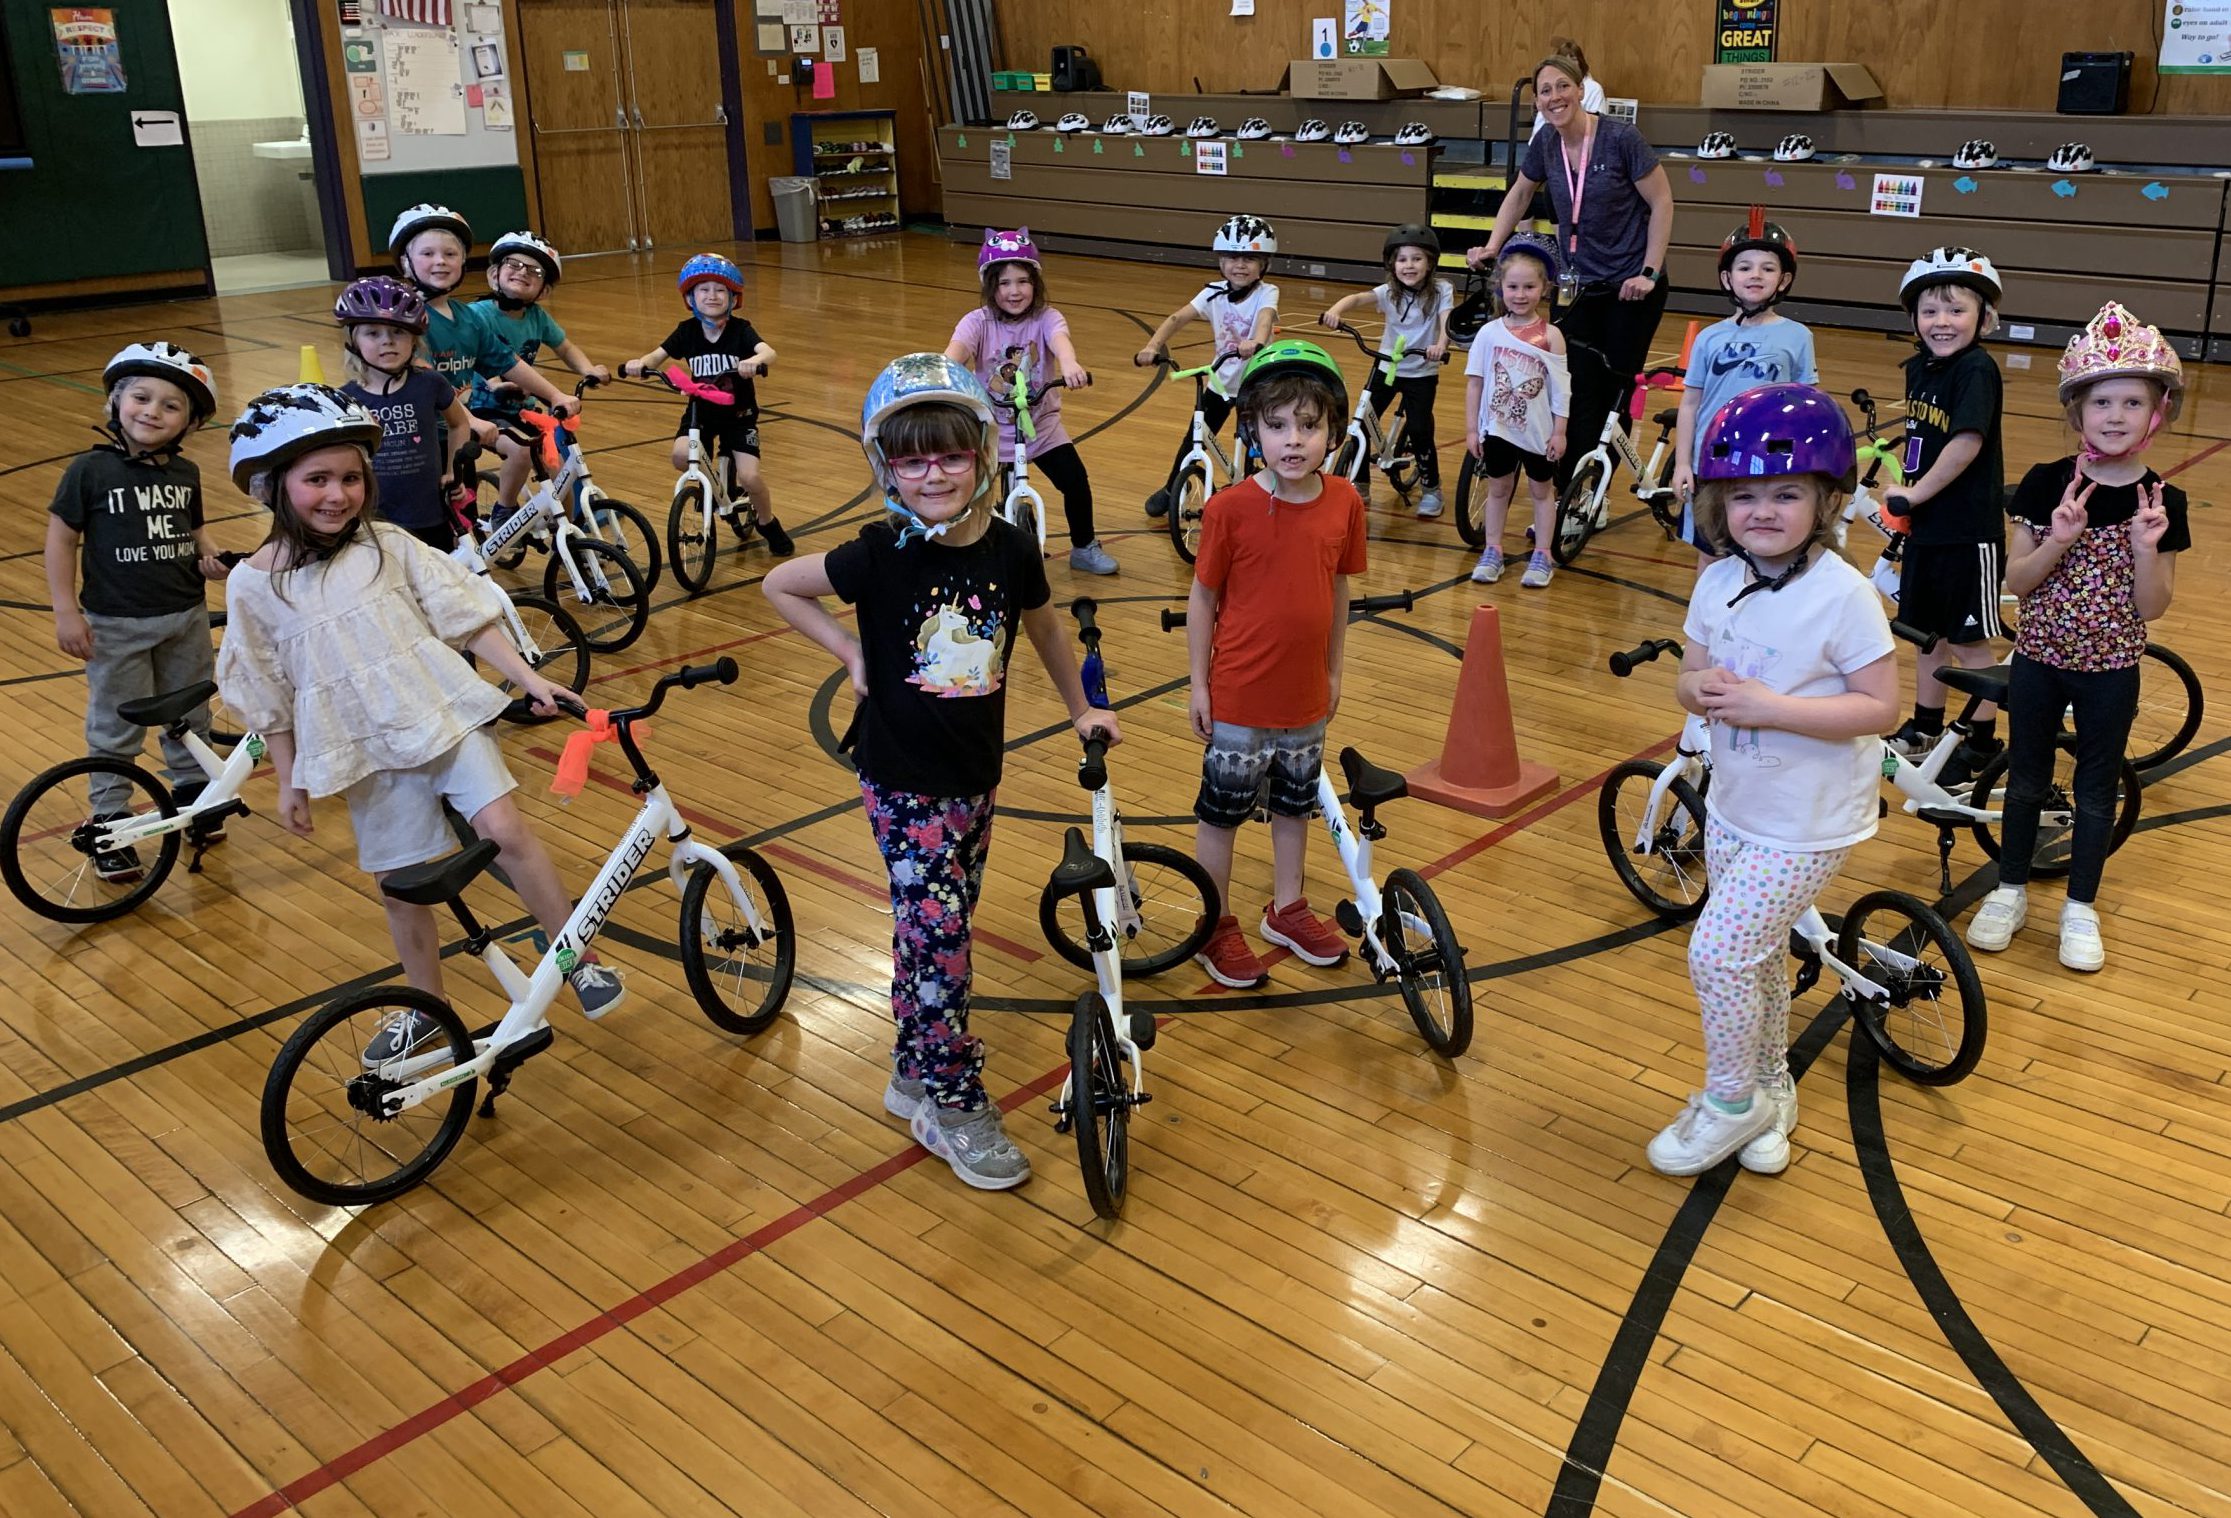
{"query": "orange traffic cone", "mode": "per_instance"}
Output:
(1479, 770)
(313, 371)
(1688, 341)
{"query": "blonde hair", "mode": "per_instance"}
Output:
(1710, 506)
(361, 373)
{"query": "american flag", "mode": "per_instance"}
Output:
(417, 12)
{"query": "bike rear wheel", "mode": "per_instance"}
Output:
(47, 840)
(2170, 705)
(2054, 854)
(614, 605)
(1428, 962)
(1188, 504)
(1175, 900)
(1667, 874)
(322, 1125)
(740, 978)
(692, 538)
(1576, 512)
(1931, 1027)
(1471, 502)
(1100, 1104)
(559, 652)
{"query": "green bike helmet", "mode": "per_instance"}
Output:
(1289, 355)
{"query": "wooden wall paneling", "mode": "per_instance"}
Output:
(363, 251)
(524, 140)
(2115, 201)
(680, 140)
(572, 115)
(2067, 298)
(1331, 241)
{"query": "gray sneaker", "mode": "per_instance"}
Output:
(403, 1033)
(903, 1098)
(1490, 567)
(1092, 559)
(1538, 570)
(1429, 504)
(599, 988)
(975, 1144)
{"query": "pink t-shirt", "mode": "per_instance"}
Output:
(1001, 347)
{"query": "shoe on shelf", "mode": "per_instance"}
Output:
(1768, 1154)
(598, 987)
(1228, 959)
(975, 1144)
(2000, 917)
(403, 1033)
(1914, 741)
(1490, 567)
(1702, 1136)
(2081, 946)
(1313, 940)
(1158, 504)
(903, 1098)
(1092, 559)
(117, 866)
(778, 541)
(1538, 570)
(1429, 505)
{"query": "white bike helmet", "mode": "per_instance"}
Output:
(1253, 129)
(166, 361)
(533, 247)
(1158, 126)
(2071, 158)
(1245, 234)
(1204, 126)
(1795, 148)
(1413, 134)
(1349, 133)
(1023, 121)
(1950, 266)
(1312, 130)
(281, 425)
(1976, 153)
(1074, 121)
(1118, 125)
(426, 217)
(1717, 145)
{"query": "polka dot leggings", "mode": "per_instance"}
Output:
(1738, 955)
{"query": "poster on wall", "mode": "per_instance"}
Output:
(1364, 33)
(1896, 195)
(2196, 38)
(832, 43)
(495, 107)
(1747, 31)
(425, 90)
(85, 45)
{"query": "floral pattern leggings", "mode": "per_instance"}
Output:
(934, 848)
(1738, 953)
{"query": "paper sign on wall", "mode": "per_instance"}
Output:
(157, 129)
(495, 107)
(1323, 38)
(1364, 32)
(1896, 195)
(486, 20)
(871, 66)
(1208, 158)
(2196, 38)
(805, 39)
(1003, 158)
(423, 81)
(824, 82)
(577, 63)
(829, 12)
(85, 46)
(371, 141)
(832, 43)
(1243, 7)
(365, 96)
(772, 36)
(360, 56)
(488, 59)
(1139, 106)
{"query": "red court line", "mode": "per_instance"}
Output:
(2201, 457)
(432, 1417)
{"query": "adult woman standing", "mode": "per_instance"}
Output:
(1591, 88)
(1614, 219)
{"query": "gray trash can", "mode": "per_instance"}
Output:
(795, 216)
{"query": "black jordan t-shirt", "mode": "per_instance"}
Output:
(713, 360)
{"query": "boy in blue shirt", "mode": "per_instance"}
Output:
(522, 268)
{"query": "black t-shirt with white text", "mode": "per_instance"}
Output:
(137, 519)
(1944, 398)
(712, 360)
(937, 625)
(2107, 506)
(410, 463)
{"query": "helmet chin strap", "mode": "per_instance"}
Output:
(1762, 581)
(917, 529)
(511, 302)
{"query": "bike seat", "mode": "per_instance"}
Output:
(162, 711)
(1368, 785)
(1080, 869)
(1668, 417)
(439, 880)
(1990, 683)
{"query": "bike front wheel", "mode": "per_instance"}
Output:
(1428, 962)
(1471, 502)
(614, 605)
(326, 1127)
(739, 975)
(49, 852)
(2170, 704)
(1930, 1023)
(555, 648)
(2054, 853)
(628, 530)
(1028, 513)
(1188, 506)
(692, 538)
(1172, 896)
(1100, 1104)
(1660, 859)
(1576, 512)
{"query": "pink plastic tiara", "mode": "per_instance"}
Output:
(2118, 344)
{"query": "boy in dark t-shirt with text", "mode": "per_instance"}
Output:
(721, 349)
(128, 518)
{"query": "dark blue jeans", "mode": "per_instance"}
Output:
(2104, 701)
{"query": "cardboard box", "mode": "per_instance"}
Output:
(1356, 78)
(1787, 86)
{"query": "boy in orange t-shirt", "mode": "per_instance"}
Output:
(1265, 626)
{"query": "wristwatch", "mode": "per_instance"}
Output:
(1655, 276)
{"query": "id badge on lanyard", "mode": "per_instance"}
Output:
(1576, 187)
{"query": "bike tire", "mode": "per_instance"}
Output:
(1064, 929)
(629, 531)
(340, 1026)
(1347, 460)
(1678, 885)
(2170, 706)
(692, 538)
(45, 853)
(1471, 502)
(737, 993)
(1576, 513)
(1100, 1105)
(2051, 858)
(615, 590)
(1029, 520)
(1188, 507)
(1911, 1029)
(1429, 966)
(561, 653)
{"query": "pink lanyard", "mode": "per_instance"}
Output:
(1576, 186)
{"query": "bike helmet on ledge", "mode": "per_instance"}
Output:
(1717, 145)
(1245, 234)
(1023, 121)
(1350, 134)
(1976, 153)
(168, 361)
(1158, 126)
(1312, 130)
(1795, 148)
(1950, 266)
(1253, 129)
(2071, 158)
(1779, 430)
(1204, 126)
(1074, 121)
(1413, 134)
(1118, 125)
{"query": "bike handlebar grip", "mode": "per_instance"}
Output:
(1863, 400)
(231, 559)
(721, 671)
(1401, 600)
(571, 705)
(1172, 619)
(1924, 641)
(1085, 610)
(1092, 770)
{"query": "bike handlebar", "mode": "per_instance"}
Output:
(1164, 361)
(1033, 394)
(1926, 642)
(1627, 660)
(1086, 610)
(721, 671)
(1092, 770)
(1375, 355)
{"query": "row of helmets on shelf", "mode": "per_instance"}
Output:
(1975, 153)
(1411, 134)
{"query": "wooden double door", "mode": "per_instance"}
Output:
(630, 127)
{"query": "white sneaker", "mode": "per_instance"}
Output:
(1768, 1154)
(1702, 1136)
(1429, 505)
(2081, 948)
(2000, 917)
(1538, 570)
(1490, 567)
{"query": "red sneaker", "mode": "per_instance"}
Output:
(1313, 940)
(1228, 959)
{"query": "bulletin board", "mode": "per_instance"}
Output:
(429, 85)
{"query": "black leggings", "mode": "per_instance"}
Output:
(2105, 701)
(1417, 394)
(1214, 409)
(1621, 331)
(1065, 471)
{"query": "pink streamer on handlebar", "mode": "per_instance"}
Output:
(680, 379)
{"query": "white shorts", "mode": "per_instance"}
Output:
(397, 814)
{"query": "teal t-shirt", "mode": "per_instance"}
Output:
(460, 347)
(523, 334)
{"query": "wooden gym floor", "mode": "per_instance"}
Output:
(681, 1273)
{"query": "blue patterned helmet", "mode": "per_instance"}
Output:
(709, 267)
(915, 380)
(1537, 247)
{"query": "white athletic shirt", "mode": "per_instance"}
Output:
(1779, 789)
(1416, 317)
(1233, 323)
(1524, 389)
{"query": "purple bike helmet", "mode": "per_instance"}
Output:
(382, 298)
(1777, 430)
(1006, 248)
